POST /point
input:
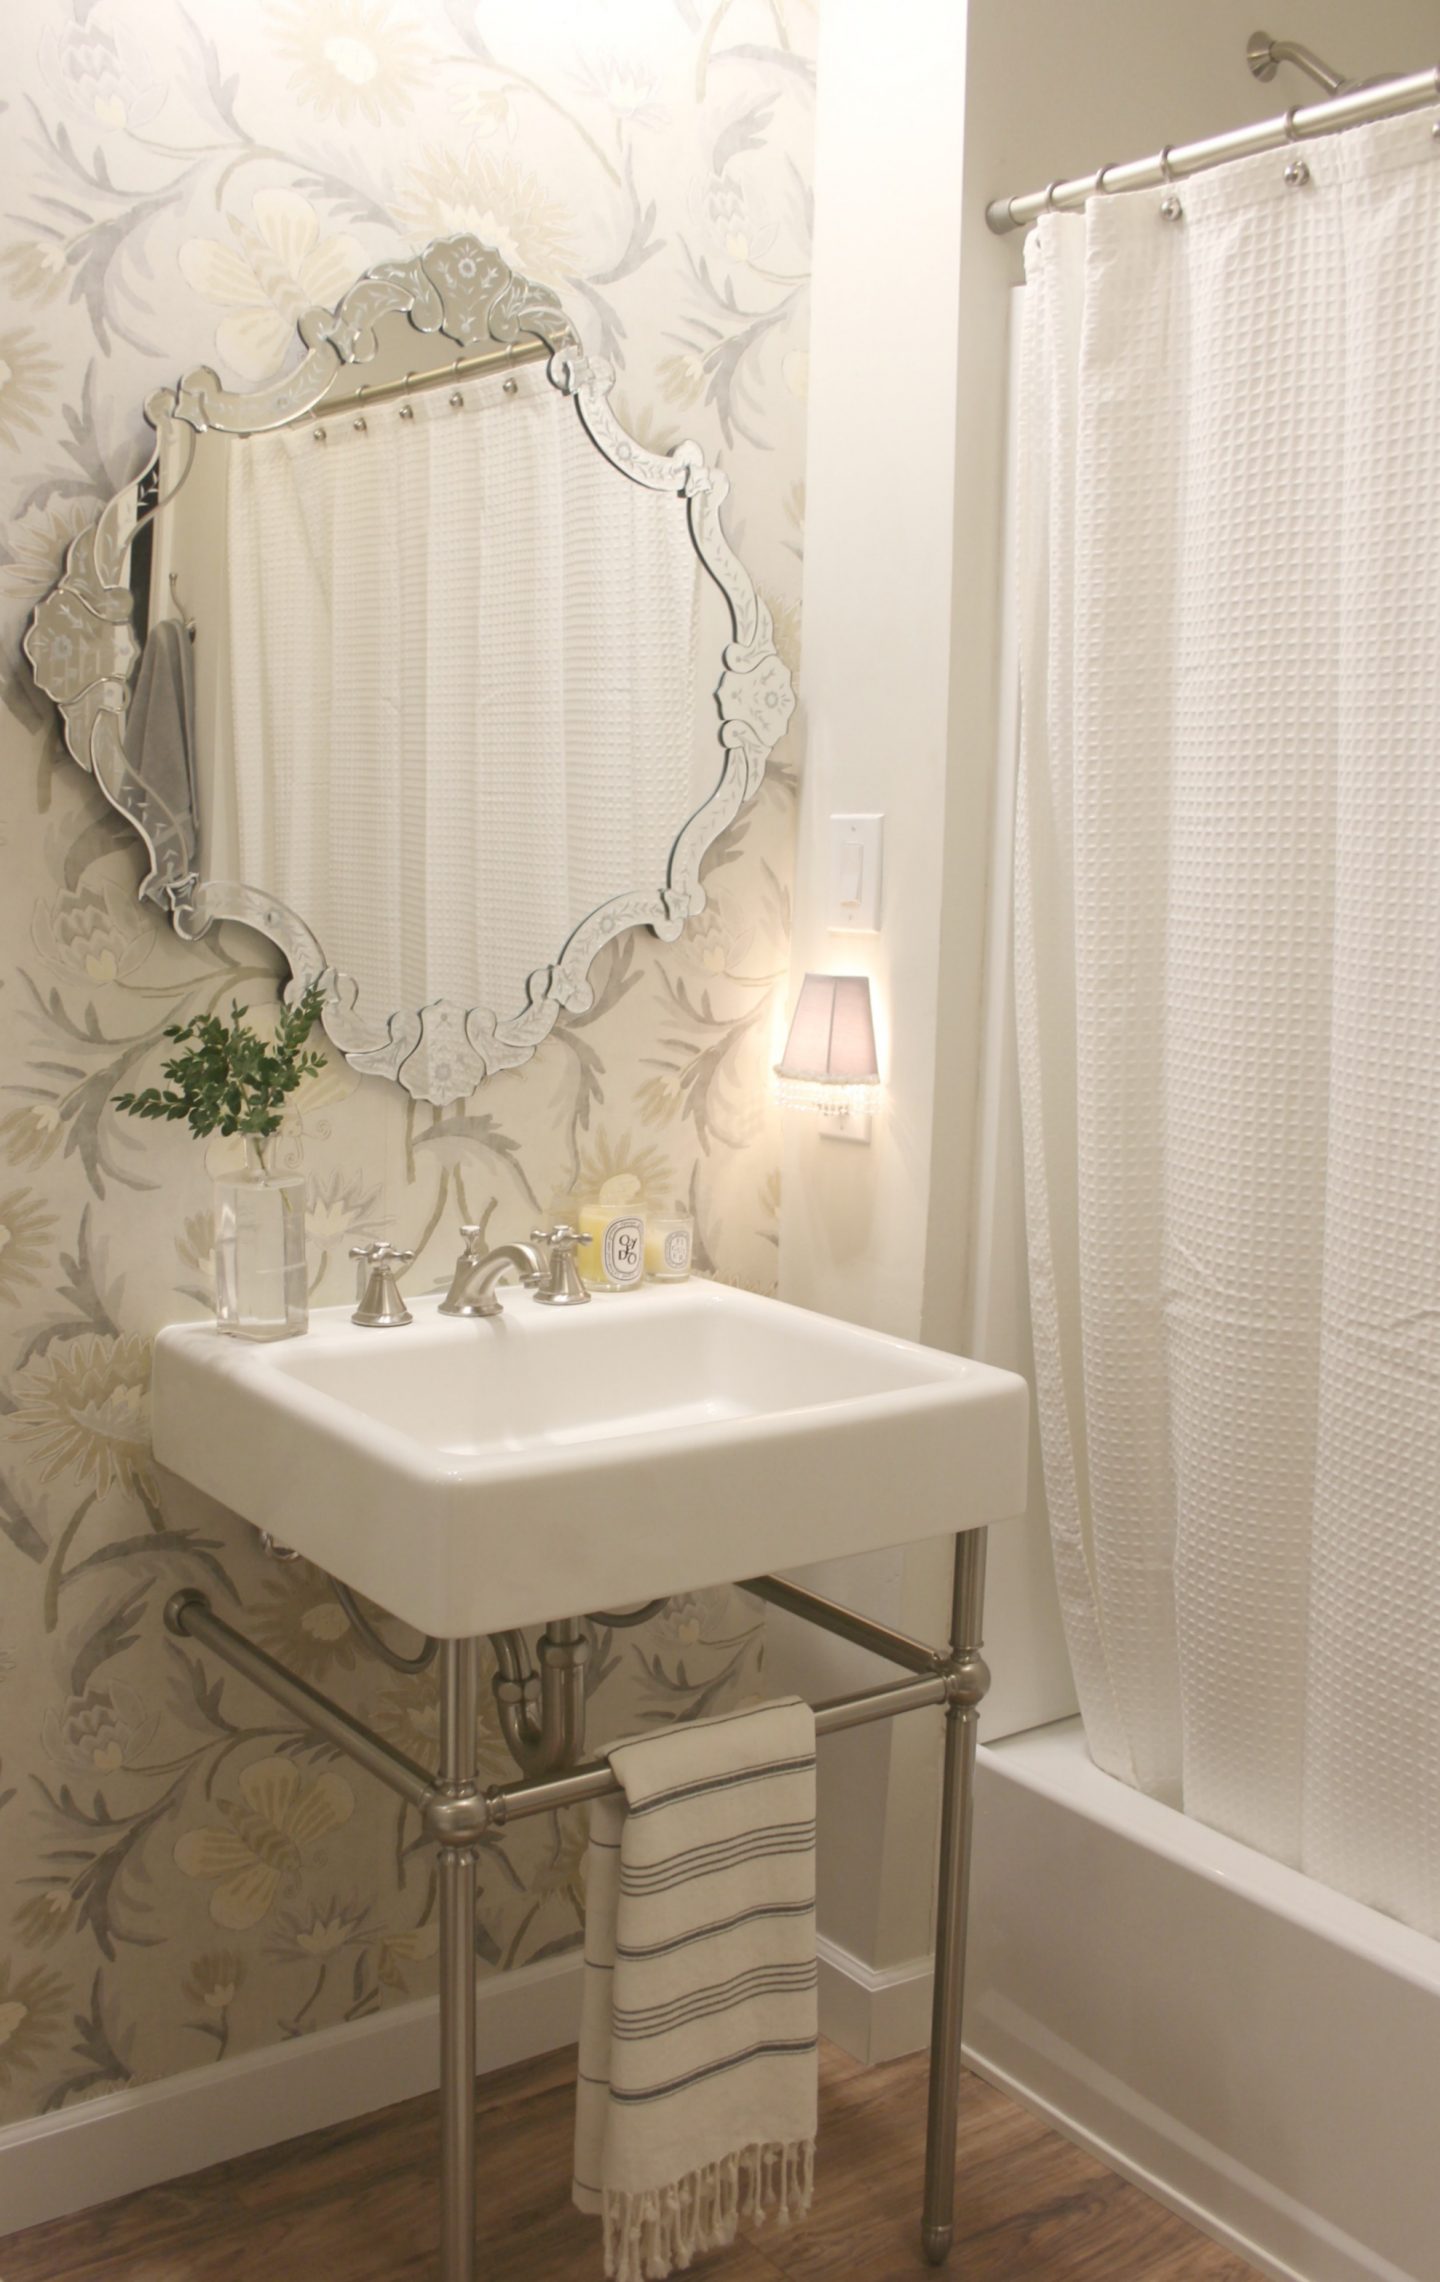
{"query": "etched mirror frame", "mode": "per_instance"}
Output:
(84, 651)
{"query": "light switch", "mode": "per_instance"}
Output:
(855, 843)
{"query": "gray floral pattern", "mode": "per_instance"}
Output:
(183, 1874)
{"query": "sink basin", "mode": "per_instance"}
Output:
(471, 1476)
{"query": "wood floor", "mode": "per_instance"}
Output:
(356, 2203)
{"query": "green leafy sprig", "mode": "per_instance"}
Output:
(231, 1081)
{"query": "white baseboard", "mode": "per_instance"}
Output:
(1322, 2252)
(101, 2148)
(89, 2153)
(874, 2013)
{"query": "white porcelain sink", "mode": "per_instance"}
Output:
(470, 1476)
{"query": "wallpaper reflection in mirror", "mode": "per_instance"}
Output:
(190, 178)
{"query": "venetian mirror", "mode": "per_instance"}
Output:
(419, 664)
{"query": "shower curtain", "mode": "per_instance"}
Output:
(1228, 989)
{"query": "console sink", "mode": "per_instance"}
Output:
(473, 1476)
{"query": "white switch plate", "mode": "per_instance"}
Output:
(855, 848)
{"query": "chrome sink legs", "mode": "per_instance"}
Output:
(459, 1779)
(456, 1814)
(962, 1712)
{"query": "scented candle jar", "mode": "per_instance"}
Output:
(614, 1258)
(669, 1243)
(614, 1221)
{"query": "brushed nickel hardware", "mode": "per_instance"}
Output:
(185, 1615)
(542, 1716)
(456, 1814)
(557, 1247)
(862, 1631)
(1349, 104)
(619, 1620)
(472, 1287)
(178, 606)
(1265, 57)
(532, 350)
(421, 1661)
(380, 1307)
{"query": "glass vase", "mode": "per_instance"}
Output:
(260, 1282)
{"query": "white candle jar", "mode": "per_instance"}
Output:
(669, 1245)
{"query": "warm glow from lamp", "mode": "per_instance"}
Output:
(829, 1060)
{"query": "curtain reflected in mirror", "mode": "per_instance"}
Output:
(476, 677)
(461, 690)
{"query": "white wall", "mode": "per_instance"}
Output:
(878, 563)
(902, 680)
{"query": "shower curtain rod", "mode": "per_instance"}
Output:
(1381, 99)
(528, 350)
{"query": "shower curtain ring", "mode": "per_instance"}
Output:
(407, 409)
(1100, 182)
(1167, 171)
(360, 421)
(1049, 204)
(1290, 134)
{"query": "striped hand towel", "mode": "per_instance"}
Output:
(697, 2087)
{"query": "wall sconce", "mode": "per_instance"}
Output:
(829, 1063)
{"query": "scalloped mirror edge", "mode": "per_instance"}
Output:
(84, 653)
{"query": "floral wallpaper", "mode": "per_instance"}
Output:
(183, 1874)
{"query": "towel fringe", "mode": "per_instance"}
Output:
(658, 2232)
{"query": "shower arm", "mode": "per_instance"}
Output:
(1265, 57)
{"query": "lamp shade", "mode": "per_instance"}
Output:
(832, 1033)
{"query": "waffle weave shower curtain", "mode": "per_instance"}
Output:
(1228, 990)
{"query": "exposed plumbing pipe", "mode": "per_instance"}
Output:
(542, 1718)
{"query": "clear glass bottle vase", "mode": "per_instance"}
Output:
(260, 1280)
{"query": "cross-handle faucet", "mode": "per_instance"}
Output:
(472, 1287)
(379, 1305)
(562, 1286)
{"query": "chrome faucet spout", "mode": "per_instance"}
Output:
(472, 1287)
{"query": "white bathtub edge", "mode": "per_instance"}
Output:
(1256, 2052)
(1054, 1761)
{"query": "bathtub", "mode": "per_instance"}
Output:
(1260, 2053)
